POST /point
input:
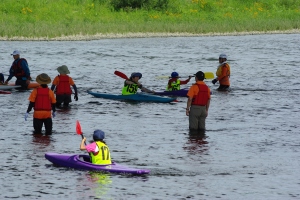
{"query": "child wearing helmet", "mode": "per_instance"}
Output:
(131, 86)
(174, 82)
(98, 150)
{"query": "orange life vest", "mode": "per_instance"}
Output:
(63, 86)
(42, 101)
(201, 98)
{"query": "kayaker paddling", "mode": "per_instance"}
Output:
(132, 84)
(174, 82)
(98, 150)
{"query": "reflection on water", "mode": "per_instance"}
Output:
(196, 142)
(102, 183)
(41, 141)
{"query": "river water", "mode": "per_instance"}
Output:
(251, 149)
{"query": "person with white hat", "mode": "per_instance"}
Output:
(223, 73)
(20, 70)
(42, 99)
(61, 84)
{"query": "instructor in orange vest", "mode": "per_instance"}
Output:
(223, 73)
(198, 103)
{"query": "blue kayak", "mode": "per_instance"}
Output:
(141, 97)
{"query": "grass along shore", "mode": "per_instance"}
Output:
(95, 19)
(141, 35)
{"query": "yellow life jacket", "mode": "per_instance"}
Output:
(174, 86)
(102, 157)
(129, 89)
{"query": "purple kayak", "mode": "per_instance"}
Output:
(83, 162)
(177, 93)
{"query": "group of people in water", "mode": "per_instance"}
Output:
(44, 100)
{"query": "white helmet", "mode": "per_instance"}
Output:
(223, 55)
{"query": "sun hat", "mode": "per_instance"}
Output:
(98, 135)
(63, 69)
(136, 74)
(223, 55)
(200, 75)
(16, 52)
(174, 74)
(43, 79)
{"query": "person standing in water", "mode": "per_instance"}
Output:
(223, 73)
(61, 84)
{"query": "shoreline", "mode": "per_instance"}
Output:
(99, 36)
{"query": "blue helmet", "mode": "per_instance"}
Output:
(136, 74)
(174, 74)
(98, 135)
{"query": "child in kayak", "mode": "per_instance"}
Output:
(131, 86)
(174, 82)
(98, 150)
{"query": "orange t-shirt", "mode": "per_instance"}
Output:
(194, 89)
(42, 114)
(56, 80)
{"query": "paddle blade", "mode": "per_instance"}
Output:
(78, 128)
(122, 75)
(209, 75)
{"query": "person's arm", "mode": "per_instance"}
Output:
(186, 81)
(146, 90)
(76, 93)
(30, 106)
(82, 146)
(188, 105)
(207, 105)
(11, 74)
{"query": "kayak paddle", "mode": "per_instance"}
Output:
(122, 75)
(78, 129)
(208, 75)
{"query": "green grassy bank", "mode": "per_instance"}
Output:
(48, 19)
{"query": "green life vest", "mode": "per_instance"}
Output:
(103, 155)
(129, 89)
(174, 86)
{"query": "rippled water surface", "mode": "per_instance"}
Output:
(250, 150)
